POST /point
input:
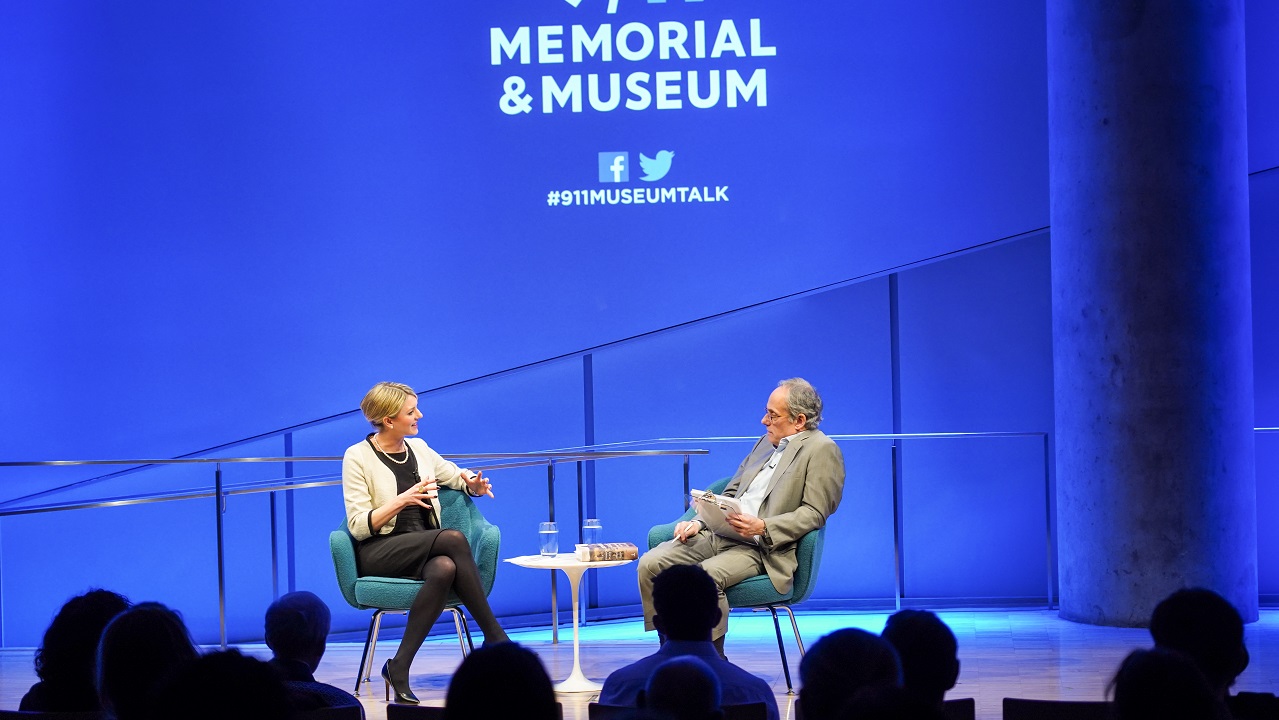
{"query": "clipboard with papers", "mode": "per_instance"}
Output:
(713, 510)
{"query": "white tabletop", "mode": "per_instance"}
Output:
(562, 561)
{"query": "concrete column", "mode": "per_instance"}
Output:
(1152, 325)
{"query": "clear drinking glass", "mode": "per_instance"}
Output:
(592, 531)
(549, 536)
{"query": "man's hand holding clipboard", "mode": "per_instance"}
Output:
(724, 516)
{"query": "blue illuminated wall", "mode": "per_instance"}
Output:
(223, 220)
(1263, 152)
(276, 208)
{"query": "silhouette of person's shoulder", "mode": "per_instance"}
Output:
(43, 697)
(293, 670)
(304, 695)
(1253, 706)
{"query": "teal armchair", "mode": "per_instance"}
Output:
(385, 595)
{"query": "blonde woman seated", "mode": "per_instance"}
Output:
(389, 483)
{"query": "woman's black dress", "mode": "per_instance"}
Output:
(404, 551)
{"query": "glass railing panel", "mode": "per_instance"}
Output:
(857, 562)
(247, 563)
(35, 487)
(974, 520)
(163, 551)
(29, 485)
(1267, 463)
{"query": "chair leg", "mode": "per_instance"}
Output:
(795, 626)
(781, 648)
(459, 624)
(470, 643)
(364, 657)
(377, 628)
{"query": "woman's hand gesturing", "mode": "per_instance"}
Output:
(478, 485)
(418, 494)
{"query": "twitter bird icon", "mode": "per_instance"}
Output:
(656, 168)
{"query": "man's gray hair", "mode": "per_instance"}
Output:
(802, 399)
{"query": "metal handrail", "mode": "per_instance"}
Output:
(299, 483)
(577, 454)
(220, 491)
(568, 454)
(549, 458)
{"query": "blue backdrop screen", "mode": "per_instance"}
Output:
(248, 212)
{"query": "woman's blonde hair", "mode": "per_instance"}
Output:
(384, 401)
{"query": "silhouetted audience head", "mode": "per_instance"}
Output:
(502, 680)
(1163, 684)
(928, 653)
(1205, 627)
(65, 660)
(297, 628)
(683, 688)
(141, 648)
(839, 665)
(225, 685)
(685, 603)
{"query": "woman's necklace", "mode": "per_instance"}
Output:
(378, 445)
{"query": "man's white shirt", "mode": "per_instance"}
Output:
(753, 496)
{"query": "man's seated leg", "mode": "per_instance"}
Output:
(672, 552)
(733, 563)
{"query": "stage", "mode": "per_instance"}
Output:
(1004, 653)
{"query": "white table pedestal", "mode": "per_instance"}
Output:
(576, 682)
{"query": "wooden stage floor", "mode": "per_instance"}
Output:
(1004, 653)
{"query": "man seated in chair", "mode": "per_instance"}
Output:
(788, 485)
(687, 610)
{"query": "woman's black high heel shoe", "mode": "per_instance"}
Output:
(405, 696)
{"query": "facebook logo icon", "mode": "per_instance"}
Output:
(615, 167)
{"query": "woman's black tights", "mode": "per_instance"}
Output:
(449, 567)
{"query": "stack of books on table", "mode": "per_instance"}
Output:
(597, 552)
